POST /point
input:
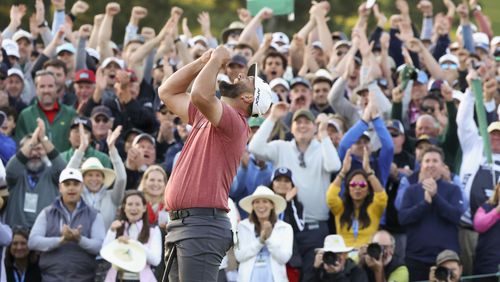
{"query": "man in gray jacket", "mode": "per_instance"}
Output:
(68, 233)
(32, 178)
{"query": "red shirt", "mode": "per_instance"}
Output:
(50, 114)
(208, 162)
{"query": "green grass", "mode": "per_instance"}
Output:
(492, 9)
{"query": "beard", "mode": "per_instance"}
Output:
(34, 165)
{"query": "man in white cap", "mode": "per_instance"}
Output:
(14, 85)
(197, 192)
(332, 262)
(68, 233)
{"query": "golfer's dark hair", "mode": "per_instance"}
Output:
(231, 90)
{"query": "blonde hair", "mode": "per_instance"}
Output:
(493, 200)
(145, 177)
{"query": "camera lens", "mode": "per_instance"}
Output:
(374, 250)
(330, 258)
(442, 273)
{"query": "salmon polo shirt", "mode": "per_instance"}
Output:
(208, 161)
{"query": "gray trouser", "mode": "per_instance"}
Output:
(468, 242)
(198, 258)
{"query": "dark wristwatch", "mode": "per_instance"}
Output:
(44, 24)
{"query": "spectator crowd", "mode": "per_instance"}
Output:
(378, 161)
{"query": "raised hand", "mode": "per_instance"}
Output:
(265, 13)
(221, 55)
(185, 28)
(381, 18)
(266, 230)
(204, 21)
(425, 6)
(39, 12)
(414, 45)
(84, 140)
(116, 225)
(279, 110)
(84, 31)
(403, 8)
(79, 7)
(41, 127)
(346, 164)
(176, 12)
(17, 13)
(113, 136)
(100, 79)
(112, 9)
(244, 15)
(397, 94)
(34, 29)
(139, 13)
(490, 87)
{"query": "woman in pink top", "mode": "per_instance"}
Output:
(487, 223)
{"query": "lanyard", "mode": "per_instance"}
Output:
(16, 276)
(355, 227)
(32, 180)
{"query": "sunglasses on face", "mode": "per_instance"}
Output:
(101, 119)
(449, 66)
(360, 184)
(426, 109)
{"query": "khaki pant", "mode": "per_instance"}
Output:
(468, 242)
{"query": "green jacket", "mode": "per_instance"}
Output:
(90, 152)
(58, 131)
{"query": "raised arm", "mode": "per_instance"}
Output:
(173, 91)
(203, 92)
(106, 30)
(249, 33)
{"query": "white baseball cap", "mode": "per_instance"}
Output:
(93, 53)
(109, 60)
(280, 37)
(15, 71)
(11, 48)
(70, 173)
(279, 81)
(22, 34)
(68, 47)
(263, 95)
(448, 58)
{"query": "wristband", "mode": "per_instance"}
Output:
(341, 175)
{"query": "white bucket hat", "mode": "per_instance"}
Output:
(127, 256)
(94, 164)
(335, 244)
(262, 192)
(263, 95)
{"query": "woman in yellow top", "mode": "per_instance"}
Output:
(358, 212)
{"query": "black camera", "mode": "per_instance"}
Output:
(442, 273)
(374, 250)
(330, 258)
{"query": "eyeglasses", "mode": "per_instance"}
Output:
(426, 109)
(101, 119)
(360, 184)
(449, 66)
(301, 160)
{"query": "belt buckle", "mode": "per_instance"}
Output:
(183, 213)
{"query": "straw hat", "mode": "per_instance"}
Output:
(94, 164)
(127, 256)
(335, 244)
(262, 192)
